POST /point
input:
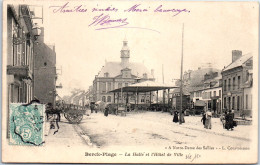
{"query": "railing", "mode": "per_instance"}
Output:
(74, 107)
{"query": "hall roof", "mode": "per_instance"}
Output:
(146, 86)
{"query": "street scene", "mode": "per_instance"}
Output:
(97, 131)
(111, 83)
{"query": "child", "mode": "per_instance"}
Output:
(203, 119)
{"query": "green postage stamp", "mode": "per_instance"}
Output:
(26, 124)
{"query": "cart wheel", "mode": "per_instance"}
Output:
(75, 118)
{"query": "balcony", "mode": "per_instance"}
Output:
(21, 71)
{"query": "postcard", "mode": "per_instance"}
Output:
(130, 82)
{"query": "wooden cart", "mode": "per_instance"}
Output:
(73, 113)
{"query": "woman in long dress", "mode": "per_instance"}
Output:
(208, 120)
(182, 117)
(175, 117)
(229, 121)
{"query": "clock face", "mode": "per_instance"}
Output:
(125, 52)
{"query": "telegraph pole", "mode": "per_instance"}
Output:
(180, 111)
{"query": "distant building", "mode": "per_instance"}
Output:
(45, 71)
(212, 92)
(237, 84)
(194, 84)
(119, 74)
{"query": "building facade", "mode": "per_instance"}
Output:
(19, 54)
(119, 74)
(45, 75)
(198, 84)
(212, 92)
(237, 84)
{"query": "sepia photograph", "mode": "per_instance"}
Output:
(130, 82)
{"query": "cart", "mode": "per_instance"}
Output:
(73, 113)
(121, 109)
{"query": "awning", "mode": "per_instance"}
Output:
(146, 86)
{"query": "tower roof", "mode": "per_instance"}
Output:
(125, 46)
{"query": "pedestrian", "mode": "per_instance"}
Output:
(229, 121)
(208, 119)
(182, 117)
(175, 117)
(203, 120)
(106, 111)
(223, 119)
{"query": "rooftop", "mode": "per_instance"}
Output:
(114, 69)
(238, 62)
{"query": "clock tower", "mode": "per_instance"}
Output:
(125, 54)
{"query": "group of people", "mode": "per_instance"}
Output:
(227, 120)
(176, 117)
(206, 119)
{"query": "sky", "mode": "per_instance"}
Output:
(211, 31)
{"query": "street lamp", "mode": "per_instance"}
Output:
(36, 31)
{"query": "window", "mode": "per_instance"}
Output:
(104, 98)
(102, 87)
(23, 53)
(210, 94)
(247, 76)
(225, 102)
(225, 85)
(205, 95)
(148, 99)
(246, 101)
(108, 98)
(215, 93)
(229, 103)
(238, 103)
(109, 86)
(229, 84)
(126, 84)
(234, 82)
(19, 56)
(106, 74)
(192, 94)
(233, 102)
(119, 85)
(14, 52)
(209, 105)
(219, 93)
(142, 99)
(238, 82)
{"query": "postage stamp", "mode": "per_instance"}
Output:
(26, 124)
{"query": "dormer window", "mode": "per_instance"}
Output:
(106, 74)
(126, 73)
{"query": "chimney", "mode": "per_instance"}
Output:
(236, 54)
